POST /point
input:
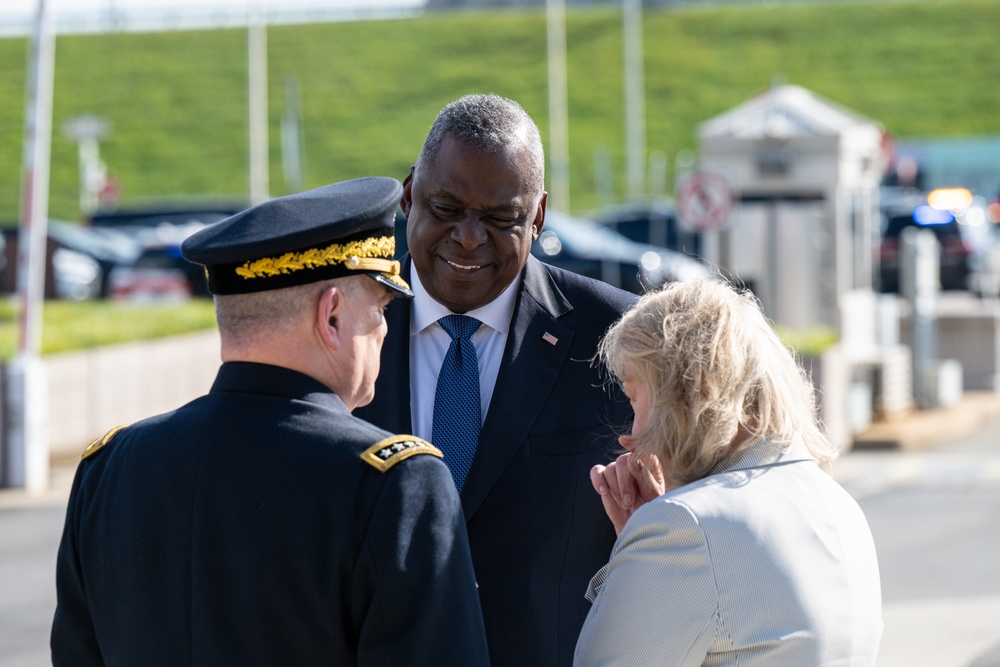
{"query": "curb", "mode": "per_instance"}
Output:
(920, 429)
(55, 495)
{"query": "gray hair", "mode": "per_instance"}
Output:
(245, 318)
(712, 364)
(493, 124)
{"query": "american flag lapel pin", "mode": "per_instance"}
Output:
(550, 339)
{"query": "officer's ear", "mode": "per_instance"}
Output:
(330, 309)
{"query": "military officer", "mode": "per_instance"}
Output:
(263, 524)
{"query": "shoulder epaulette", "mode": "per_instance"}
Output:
(387, 453)
(98, 445)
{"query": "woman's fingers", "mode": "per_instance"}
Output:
(647, 471)
(625, 481)
(599, 476)
(597, 479)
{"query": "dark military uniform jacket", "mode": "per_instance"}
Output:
(537, 528)
(249, 527)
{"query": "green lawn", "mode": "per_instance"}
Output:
(176, 101)
(70, 325)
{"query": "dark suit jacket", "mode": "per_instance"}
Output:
(245, 529)
(537, 529)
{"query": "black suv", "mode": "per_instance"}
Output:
(653, 222)
(955, 257)
(159, 229)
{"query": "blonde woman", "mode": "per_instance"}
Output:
(735, 546)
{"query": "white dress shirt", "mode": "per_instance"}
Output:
(429, 343)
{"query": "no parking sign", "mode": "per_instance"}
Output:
(704, 201)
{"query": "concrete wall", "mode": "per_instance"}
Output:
(968, 331)
(92, 391)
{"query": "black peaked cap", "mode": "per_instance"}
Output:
(328, 232)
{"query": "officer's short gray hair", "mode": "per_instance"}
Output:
(242, 318)
(492, 124)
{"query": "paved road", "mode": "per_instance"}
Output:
(934, 512)
(935, 516)
(29, 537)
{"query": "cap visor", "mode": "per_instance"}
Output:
(394, 283)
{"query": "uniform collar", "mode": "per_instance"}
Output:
(246, 377)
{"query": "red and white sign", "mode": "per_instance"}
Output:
(704, 201)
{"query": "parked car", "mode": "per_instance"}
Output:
(109, 248)
(653, 222)
(78, 260)
(983, 220)
(163, 216)
(590, 249)
(160, 271)
(916, 212)
(75, 276)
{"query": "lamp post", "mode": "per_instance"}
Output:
(635, 98)
(87, 130)
(257, 106)
(24, 452)
(558, 104)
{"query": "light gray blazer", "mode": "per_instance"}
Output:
(766, 561)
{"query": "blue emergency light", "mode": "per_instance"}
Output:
(926, 216)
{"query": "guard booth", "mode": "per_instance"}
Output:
(804, 174)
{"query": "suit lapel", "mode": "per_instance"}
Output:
(537, 348)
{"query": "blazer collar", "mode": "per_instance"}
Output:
(766, 451)
(538, 286)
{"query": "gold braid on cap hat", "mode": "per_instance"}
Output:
(366, 255)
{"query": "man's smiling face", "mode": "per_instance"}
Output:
(471, 218)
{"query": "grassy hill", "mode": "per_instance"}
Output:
(176, 101)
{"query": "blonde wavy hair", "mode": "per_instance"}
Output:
(715, 369)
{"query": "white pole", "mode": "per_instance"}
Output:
(27, 459)
(558, 105)
(257, 93)
(635, 103)
(291, 136)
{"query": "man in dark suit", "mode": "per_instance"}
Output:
(263, 524)
(475, 201)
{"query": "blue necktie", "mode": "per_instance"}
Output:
(457, 413)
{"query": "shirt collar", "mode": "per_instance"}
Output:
(426, 311)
